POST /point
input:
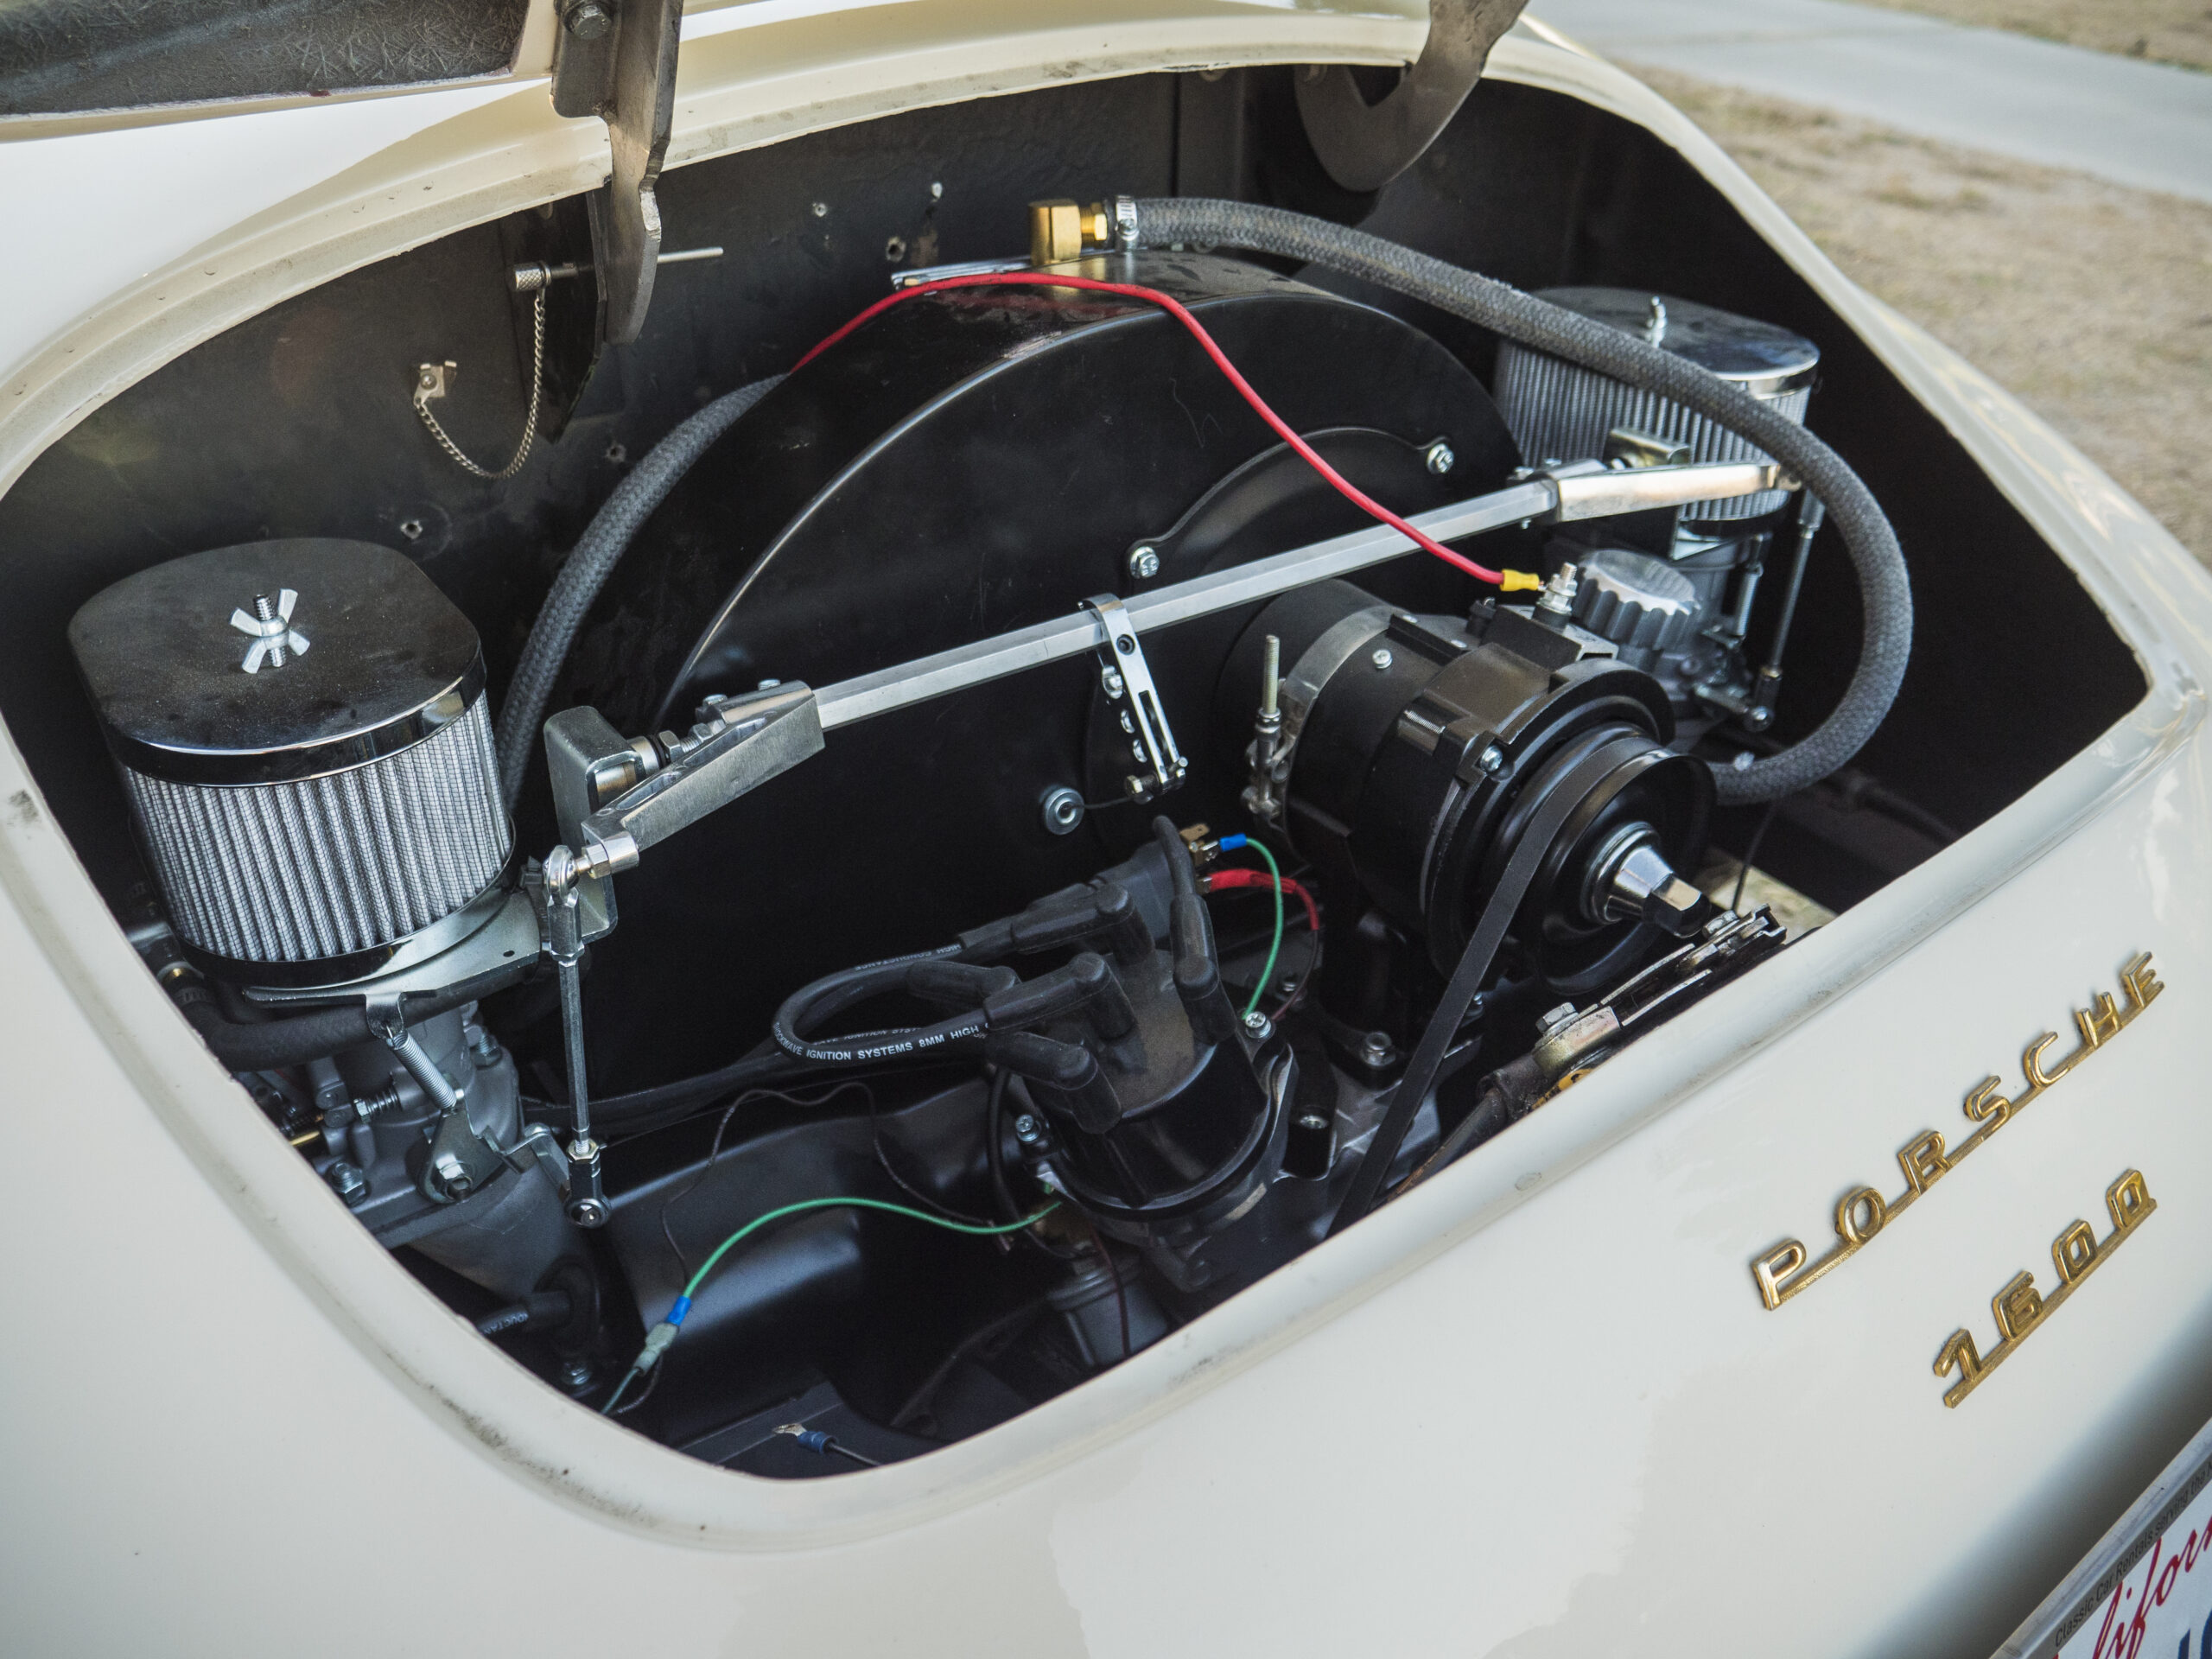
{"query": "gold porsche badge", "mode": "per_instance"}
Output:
(1862, 1213)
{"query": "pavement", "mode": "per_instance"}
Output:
(2147, 125)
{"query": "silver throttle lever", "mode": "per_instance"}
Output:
(615, 797)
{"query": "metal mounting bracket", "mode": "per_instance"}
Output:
(1363, 146)
(1127, 679)
(616, 58)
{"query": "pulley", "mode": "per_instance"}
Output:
(1412, 756)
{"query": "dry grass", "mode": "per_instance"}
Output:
(2091, 302)
(2168, 31)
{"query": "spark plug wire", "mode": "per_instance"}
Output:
(1508, 581)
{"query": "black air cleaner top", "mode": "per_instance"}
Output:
(388, 660)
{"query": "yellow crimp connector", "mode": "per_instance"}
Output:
(1515, 582)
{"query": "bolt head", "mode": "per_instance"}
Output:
(1377, 1048)
(1111, 679)
(588, 22)
(587, 1213)
(1382, 659)
(1491, 760)
(347, 1181)
(1558, 1016)
(1258, 1025)
(1028, 1130)
(1440, 459)
(1062, 808)
(1144, 564)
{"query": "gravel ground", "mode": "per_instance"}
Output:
(2090, 303)
(2167, 31)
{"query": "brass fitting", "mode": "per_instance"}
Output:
(1061, 230)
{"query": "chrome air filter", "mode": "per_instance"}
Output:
(1560, 412)
(302, 732)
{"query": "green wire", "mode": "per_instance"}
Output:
(754, 1226)
(1275, 949)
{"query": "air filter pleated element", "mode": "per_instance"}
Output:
(304, 737)
(1558, 412)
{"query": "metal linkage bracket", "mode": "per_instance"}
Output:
(1127, 679)
(1581, 490)
(614, 797)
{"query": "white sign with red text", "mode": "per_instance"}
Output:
(2162, 1606)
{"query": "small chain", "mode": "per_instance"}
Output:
(530, 421)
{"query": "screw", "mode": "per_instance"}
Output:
(588, 22)
(1491, 760)
(1111, 679)
(1125, 644)
(1558, 596)
(1258, 1026)
(1144, 564)
(483, 1048)
(1028, 1130)
(347, 1182)
(1440, 459)
(1062, 809)
(1382, 659)
(1376, 1049)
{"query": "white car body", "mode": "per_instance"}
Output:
(1537, 1407)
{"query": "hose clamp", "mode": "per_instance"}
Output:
(1126, 237)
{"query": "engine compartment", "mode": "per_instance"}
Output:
(1097, 1044)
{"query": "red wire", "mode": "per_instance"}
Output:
(1223, 881)
(1176, 309)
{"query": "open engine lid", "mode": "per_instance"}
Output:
(63, 57)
